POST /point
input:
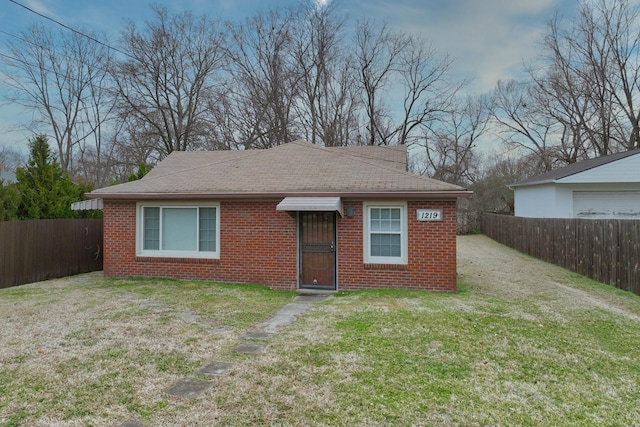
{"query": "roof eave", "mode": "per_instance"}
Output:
(440, 194)
(527, 184)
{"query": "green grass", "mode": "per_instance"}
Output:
(429, 363)
(547, 356)
(225, 304)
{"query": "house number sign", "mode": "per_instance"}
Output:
(429, 214)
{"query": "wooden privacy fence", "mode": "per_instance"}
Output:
(31, 251)
(606, 250)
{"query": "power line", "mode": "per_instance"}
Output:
(48, 49)
(72, 29)
(15, 36)
(49, 70)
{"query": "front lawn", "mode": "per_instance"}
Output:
(407, 358)
(555, 349)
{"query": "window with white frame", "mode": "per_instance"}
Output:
(385, 236)
(178, 230)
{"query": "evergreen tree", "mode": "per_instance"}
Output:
(46, 190)
(9, 201)
(143, 169)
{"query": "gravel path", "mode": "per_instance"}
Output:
(501, 272)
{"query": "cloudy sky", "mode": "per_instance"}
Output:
(488, 39)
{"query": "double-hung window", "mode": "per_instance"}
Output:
(385, 234)
(178, 230)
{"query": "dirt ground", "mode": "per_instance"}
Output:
(490, 266)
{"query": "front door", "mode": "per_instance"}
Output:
(318, 250)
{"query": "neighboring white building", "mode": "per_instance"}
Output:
(605, 187)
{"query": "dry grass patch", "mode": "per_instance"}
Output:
(523, 344)
(95, 352)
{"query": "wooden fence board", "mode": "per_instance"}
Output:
(31, 251)
(607, 251)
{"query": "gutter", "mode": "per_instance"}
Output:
(454, 194)
(529, 184)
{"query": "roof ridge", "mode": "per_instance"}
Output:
(327, 150)
(395, 170)
(352, 150)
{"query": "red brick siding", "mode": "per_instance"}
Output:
(259, 245)
(432, 252)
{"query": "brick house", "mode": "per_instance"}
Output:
(294, 217)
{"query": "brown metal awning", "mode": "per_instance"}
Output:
(311, 204)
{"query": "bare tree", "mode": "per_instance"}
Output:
(449, 150)
(264, 80)
(491, 191)
(428, 95)
(168, 76)
(521, 122)
(9, 161)
(94, 154)
(328, 103)
(377, 52)
(584, 99)
(594, 70)
(129, 145)
(61, 78)
(553, 101)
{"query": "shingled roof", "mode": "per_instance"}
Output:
(573, 169)
(298, 168)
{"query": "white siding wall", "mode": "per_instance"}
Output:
(564, 202)
(606, 204)
(557, 201)
(540, 201)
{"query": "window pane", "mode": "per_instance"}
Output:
(151, 229)
(375, 219)
(179, 229)
(385, 245)
(385, 219)
(394, 245)
(207, 229)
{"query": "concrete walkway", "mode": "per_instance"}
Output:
(189, 388)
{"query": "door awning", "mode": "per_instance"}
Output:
(307, 204)
(87, 205)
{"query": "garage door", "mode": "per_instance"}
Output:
(606, 204)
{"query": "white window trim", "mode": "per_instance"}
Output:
(174, 254)
(404, 246)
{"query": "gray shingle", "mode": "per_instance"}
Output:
(294, 168)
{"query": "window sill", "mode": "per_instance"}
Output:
(158, 260)
(397, 267)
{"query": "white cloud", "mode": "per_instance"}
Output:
(488, 40)
(39, 7)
